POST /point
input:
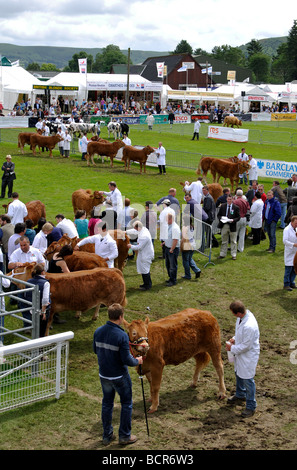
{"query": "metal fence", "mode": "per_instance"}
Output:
(34, 370)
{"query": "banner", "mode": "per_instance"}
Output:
(227, 133)
(283, 116)
(82, 65)
(160, 69)
(276, 169)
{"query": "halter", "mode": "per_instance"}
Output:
(136, 342)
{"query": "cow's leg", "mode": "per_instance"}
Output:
(218, 364)
(111, 162)
(156, 378)
(214, 177)
(96, 312)
(202, 359)
(144, 168)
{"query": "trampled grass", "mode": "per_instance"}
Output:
(186, 419)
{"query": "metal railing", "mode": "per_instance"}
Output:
(34, 370)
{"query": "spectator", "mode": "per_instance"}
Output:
(172, 244)
(66, 226)
(271, 214)
(290, 243)
(30, 232)
(8, 177)
(81, 222)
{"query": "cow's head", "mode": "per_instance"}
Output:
(23, 273)
(138, 339)
(149, 149)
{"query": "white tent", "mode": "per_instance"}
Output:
(15, 81)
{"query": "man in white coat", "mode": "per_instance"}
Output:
(245, 348)
(195, 188)
(115, 196)
(253, 171)
(161, 159)
(17, 210)
(290, 242)
(105, 245)
(145, 250)
(197, 126)
(243, 157)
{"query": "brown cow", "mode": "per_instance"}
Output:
(82, 260)
(103, 149)
(44, 141)
(23, 139)
(81, 290)
(85, 199)
(119, 236)
(205, 163)
(36, 210)
(173, 340)
(232, 121)
(130, 153)
(229, 170)
(216, 190)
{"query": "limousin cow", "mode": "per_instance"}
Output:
(232, 121)
(86, 199)
(173, 340)
(40, 141)
(205, 163)
(130, 153)
(229, 170)
(81, 290)
(103, 149)
(23, 139)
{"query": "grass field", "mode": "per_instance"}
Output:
(187, 419)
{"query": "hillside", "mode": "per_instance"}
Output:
(60, 56)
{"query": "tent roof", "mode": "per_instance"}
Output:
(17, 79)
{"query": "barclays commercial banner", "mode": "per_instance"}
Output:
(275, 169)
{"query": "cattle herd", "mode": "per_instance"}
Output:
(91, 284)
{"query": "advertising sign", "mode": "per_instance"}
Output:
(276, 169)
(227, 133)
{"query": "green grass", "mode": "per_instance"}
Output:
(186, 419)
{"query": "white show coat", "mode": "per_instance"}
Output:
(67, 140)
(195, 189)
(40, 241)
(161, 154)
(256, 214)
(253, 171)
(289, 238)
(145, 250)
(68, 227)
(116, 199)
(17, 211)
(247, 347)
(197, 126)
(106, 247)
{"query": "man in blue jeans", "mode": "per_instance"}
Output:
(245, 347)
(111, 344)
(172, 244)
(271, 214)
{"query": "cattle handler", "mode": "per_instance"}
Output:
(111, 344)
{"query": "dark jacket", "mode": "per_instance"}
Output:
(234, 214)
(275, 210)
(111, 344)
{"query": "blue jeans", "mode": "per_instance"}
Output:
(289, 277)
(270, 229)
(171, 263)
(188, 263)
(123, 387)
(246, 388)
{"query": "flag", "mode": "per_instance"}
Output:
(17, 63)
(246, 80)
(208, 70)
(182, 69)
(160, 69)
(82, 64)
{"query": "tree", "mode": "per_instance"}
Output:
(111, 54)
(292, 52)
(233, 55)
(199, 51)
(260, 65)
(182, 47)
(49, 67)
(279, 67)
(254, 47)
(33, 66)
(73, 63)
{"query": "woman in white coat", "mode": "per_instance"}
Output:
(256, 218)
(67, 140)
(145, 249)
(290, 243)
(245, 347)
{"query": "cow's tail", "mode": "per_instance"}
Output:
(198, 171)
(19, 143)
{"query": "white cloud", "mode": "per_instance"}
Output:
(144, 25)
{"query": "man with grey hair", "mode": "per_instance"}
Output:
(244, 210)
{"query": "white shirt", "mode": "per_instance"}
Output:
(247, 347)
(127, 141)
(61, 134)
(256, 214)
(68, 227)
(243, 157)
(289, 238)
(32, 256)
(163, 222)
(17, 211)
(40, 241)
(106, 247)
(84, 144)
(116, 199)
(174, 233)
(253, 171)
(195, 189)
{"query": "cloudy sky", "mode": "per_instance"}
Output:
(149, 25)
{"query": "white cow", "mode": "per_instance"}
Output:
(114, 128)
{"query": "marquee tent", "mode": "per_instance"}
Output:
(15, 81)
